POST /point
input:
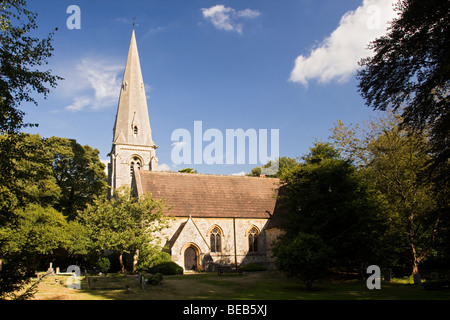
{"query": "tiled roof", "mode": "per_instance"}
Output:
(204, 195)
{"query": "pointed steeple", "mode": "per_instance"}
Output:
(132, 145)
(132, 124)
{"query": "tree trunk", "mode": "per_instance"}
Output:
(416, 260)
(135, 259)
(122, 267)
(415, 266)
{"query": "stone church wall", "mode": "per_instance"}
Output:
(195, 232)
(119, 168)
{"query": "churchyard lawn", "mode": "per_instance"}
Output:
(249, 286)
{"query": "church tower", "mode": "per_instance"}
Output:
(132, 136)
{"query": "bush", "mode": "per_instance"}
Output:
(103, 264)
(151, 256)
(306, 256)
(252, 267)
(155, 279)
(167, 268)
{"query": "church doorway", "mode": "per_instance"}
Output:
(190, 258)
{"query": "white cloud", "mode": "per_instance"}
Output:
(226, 18)
(242, 173)
(103, 78)
(106, 163)
(164, 167)
(78, 104)
(156, 30)
(95, 82)
(338, 55)
(248, 13)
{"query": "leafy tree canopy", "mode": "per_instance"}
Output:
(21, 58)
(393, 161)
(123, 224)
(188, 170)
(326, 196)
(305, 256)
(285, 164)
(38, 233)
(78, 172)
(25, 178)
(411, 69)
(56, 172)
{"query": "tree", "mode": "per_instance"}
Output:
(123, 224)
(21, 74)
(150, 256)
(187, 170)
(21, 58)
(54, 172)
(305, 256)
(78, 172)
(23, 181)
(393, 161)
(398, 162)
(285, 164)
(38, 233)
(26, 176)
(326, 196)
(411, 70)
(31, 196)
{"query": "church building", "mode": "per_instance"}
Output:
(214, 220)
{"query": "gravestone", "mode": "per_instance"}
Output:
(388, 275)
(416, 278)
(50, 270)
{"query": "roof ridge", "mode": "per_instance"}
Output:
(205, 174)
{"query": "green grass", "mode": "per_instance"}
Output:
(249, 286)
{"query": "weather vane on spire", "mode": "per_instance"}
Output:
(134, 22)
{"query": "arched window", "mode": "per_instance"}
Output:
(215, 240)
(134, 161)
(135, 131)
(253, 239)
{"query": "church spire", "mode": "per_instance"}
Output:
(132, 124)
(132, 145)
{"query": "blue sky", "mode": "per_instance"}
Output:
(250, 64)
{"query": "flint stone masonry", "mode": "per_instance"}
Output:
(195, 232)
